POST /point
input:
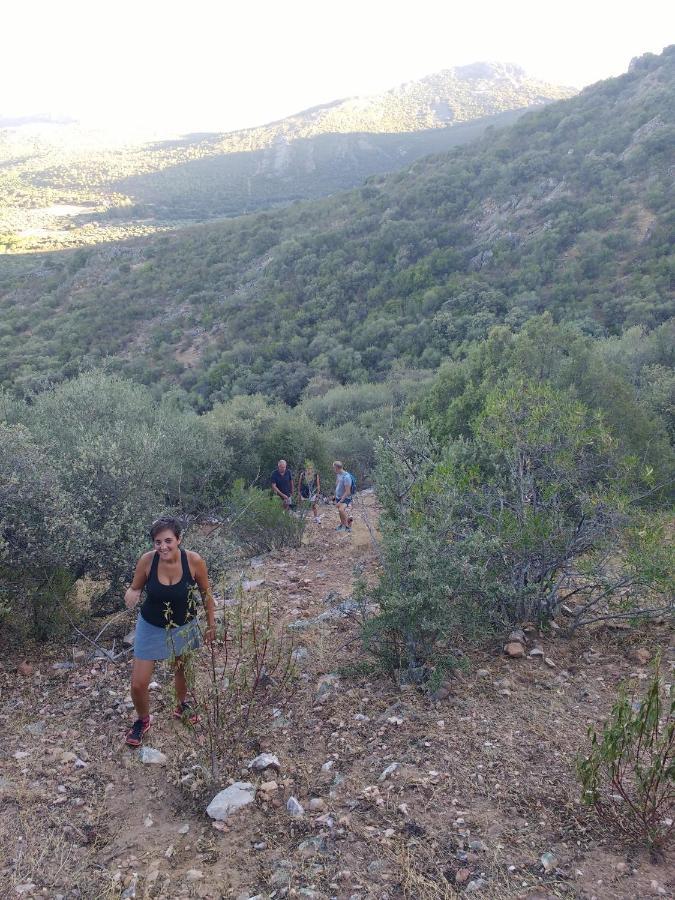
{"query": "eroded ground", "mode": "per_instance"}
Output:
(483, 785)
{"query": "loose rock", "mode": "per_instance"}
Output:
(388, 771)
(548, 861)
(151, 757)
(233, 798)
(265, 761)
(295, 808)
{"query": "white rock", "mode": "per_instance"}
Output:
(327, 766)
(154, 686)
(184, 829)
(247, 585)
(294, 807)
(152, 757)
(194, 875)
(316, 804)
(388, 771)
(148, 822)
(233, 798)
(265, 761)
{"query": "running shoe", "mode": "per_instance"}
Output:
(135, 734)
(186, 712)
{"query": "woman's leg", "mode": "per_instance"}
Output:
(141, 675)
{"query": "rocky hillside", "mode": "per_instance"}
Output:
(568, 211)
(63, 185)
(375, 790)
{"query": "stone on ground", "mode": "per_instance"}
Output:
(233, 798)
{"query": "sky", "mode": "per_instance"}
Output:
(217, 66)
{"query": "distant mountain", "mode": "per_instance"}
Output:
(445, 98)
(67, 186)
(568, 211)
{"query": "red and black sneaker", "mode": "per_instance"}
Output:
(135, 734)
(186, 712)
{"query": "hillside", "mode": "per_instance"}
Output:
(64, 185)
(405, 795)
(569, 210)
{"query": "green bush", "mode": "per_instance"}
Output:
(259, 523)
(496, 529)
(40, 535)
(628, 777)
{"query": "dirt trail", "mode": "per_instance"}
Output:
(479, 785)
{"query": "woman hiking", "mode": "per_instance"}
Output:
(309, 488)
(167, 623)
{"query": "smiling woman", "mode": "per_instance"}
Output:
(167, 623)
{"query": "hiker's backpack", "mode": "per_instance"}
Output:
(353, 481)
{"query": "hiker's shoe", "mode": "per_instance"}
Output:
(317, 520)
(341, 528)
(186, 712)
(348, 528)
(134, 737)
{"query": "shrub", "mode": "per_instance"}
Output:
(40, 534)
(235, 683)
(501, 528)
(628, 777)
(258, 522)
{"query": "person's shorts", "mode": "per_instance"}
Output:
(345, 500)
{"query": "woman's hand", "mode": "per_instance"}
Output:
(210, 634)
(132, 597)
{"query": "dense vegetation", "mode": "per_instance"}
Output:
(569, 210)
(538, 472)
(489, 332)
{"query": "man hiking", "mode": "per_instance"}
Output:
(343, 496)
(282, 483)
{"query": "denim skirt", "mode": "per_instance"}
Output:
(152, 642)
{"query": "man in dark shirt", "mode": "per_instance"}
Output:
(282, 483)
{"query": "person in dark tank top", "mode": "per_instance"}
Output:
(167, 623)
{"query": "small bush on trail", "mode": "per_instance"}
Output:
(258, 522)
(235, 683)
(628, 777)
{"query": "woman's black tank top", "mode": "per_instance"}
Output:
(169, 605)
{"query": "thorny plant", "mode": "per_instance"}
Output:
(628, 777)
(236, 681)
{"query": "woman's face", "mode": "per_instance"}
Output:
(166, 543)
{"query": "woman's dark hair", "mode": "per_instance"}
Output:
(162, 524)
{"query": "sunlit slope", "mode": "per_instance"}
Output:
(569, 210)
(63, 185)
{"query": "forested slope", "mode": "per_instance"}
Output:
(569, 210)
(65, 185)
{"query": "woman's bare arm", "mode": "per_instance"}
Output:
(202, 578)
(133, 594)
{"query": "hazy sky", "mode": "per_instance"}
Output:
(222, 65)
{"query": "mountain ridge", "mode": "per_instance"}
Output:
(565, 212)
(124, 190)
